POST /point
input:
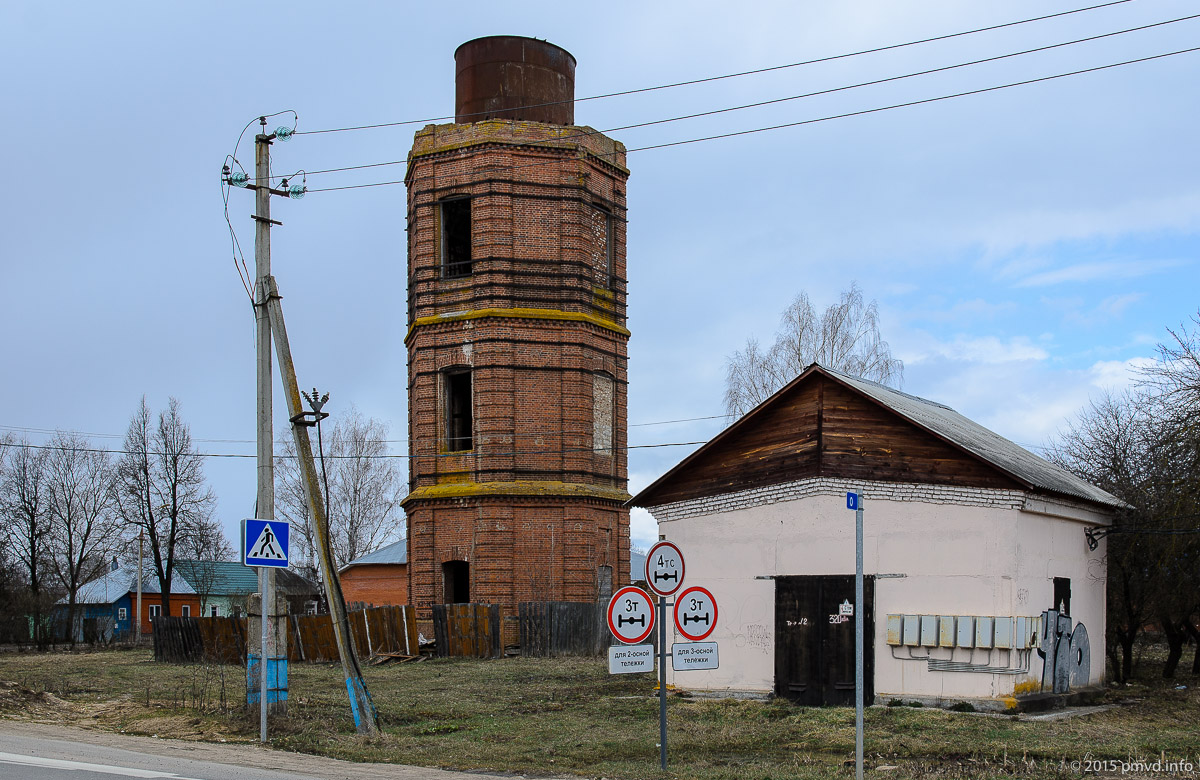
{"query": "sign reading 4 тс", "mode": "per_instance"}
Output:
(664, 568)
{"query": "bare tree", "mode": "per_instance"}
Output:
(201, 549)
(1144, 447)
(1110, 443)
(365, 487)
(845, 337)
(161, 489)
(83, 528)
(23, 506)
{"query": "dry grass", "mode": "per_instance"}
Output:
(571, 716)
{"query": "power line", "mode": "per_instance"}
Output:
(817, 93)
(739, 74)
(915, 102)
(52, 431)
(831, 117)
(388, 456)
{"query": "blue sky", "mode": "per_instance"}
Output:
(1026, 246)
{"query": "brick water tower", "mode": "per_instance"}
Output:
(517, 345)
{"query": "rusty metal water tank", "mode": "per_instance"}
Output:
(511, 77)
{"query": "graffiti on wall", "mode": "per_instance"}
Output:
(1066, 652)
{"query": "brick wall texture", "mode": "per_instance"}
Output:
(534, 506)
(376, 584)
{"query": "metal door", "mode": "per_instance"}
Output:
(814, 642)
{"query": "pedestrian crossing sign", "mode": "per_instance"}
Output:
(264, 542)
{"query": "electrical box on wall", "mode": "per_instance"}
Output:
(983, 632)
(946, 631)
(893, 629)
(1003, 633)
(929, 631)
(966, 631)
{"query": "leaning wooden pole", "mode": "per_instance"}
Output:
(366, 719)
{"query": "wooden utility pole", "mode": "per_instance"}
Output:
(366, 718)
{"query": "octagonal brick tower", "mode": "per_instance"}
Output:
(517, 345)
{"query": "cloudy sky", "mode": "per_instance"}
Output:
(1026, 246)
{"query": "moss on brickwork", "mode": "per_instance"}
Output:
(520, 488)
(516, 314)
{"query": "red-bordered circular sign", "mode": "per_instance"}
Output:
(695, 613)
(631, 615)
(664, 568)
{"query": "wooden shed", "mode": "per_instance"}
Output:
(980, 582)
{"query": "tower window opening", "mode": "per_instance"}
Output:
(456, 582)
(455, 218)
(458, 411)
(604, 227)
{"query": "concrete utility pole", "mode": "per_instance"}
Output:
(268, 315)
(137, 621)
(269, 666)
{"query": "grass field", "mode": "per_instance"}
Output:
(569, 716)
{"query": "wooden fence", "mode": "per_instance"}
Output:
(554, 628)
(374, 631)
(177, 639)
(470, 630)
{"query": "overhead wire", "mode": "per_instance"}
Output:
(816, 93)
(845, 115)
(739, 74)
(387, 456)
(52, 431)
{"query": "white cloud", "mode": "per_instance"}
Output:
(1117, 374)
(1106, 271)
(985, 349)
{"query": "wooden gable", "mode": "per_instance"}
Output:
(820, 427)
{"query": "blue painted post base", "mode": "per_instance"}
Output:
(277, 683)
(361, 705)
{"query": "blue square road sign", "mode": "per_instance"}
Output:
(852, 500)
(265, 542)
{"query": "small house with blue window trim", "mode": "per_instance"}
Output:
(104, 607)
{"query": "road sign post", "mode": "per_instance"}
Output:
(854, 501)
(664, 574)
(265, 545)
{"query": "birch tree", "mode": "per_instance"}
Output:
(845, 337)
(364, 493)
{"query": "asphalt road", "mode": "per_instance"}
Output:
(30, 751)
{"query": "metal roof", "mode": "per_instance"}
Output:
(233, 578)
(977, 440)
(115, 584)
(943, 422)
(393, 553)
(219, 578)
